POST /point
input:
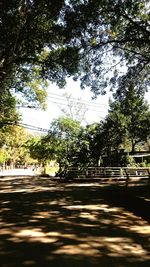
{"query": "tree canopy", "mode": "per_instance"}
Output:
(85, 39)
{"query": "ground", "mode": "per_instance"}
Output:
(46, 223)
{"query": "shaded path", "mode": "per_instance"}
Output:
(44, 223)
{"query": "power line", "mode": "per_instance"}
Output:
(25, 106)
(32, 127)
(63, 104)
(62, 98)
(62, 101)
(66, 104)
(27, 126)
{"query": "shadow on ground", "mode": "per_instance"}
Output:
(51, 224)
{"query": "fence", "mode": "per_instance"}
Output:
(111, 174)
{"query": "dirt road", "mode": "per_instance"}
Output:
(45, 223)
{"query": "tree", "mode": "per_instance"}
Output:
(28, 27)
(41, 149)
(16, 146)
(3, 157)
(127, 124)
(63, 136)
(13, 149)
(135, 114)
(110, 140)
(88, 152)
(8, 116)
(116, 33)
(87, 38)
(59, 144)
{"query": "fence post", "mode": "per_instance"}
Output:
(148, 170)
(127, 175)
(121, 171)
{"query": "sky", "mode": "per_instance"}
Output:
(97, 109)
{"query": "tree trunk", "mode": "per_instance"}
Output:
(133, 146)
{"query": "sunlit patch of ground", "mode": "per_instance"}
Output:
(116, 247)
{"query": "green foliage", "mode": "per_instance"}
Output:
(3, 155)
(88, 152)
(8, 108)
(29, 27)
(130, 112)
(130, 161)
(16, 146)
(8, 115)
(85, 39)
(65, 126)
(126, 126)
(64, 132)
(71, 145)
(29, 86)
(13, 151)
(58, 145)
(37, 148)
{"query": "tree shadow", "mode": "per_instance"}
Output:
(48, 224)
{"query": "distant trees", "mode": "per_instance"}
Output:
(59, 144)
(130, 115)
(64, 132)
(89, 150)
(13, 151)
(126, 126)
(3, 157)
(40, 150)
